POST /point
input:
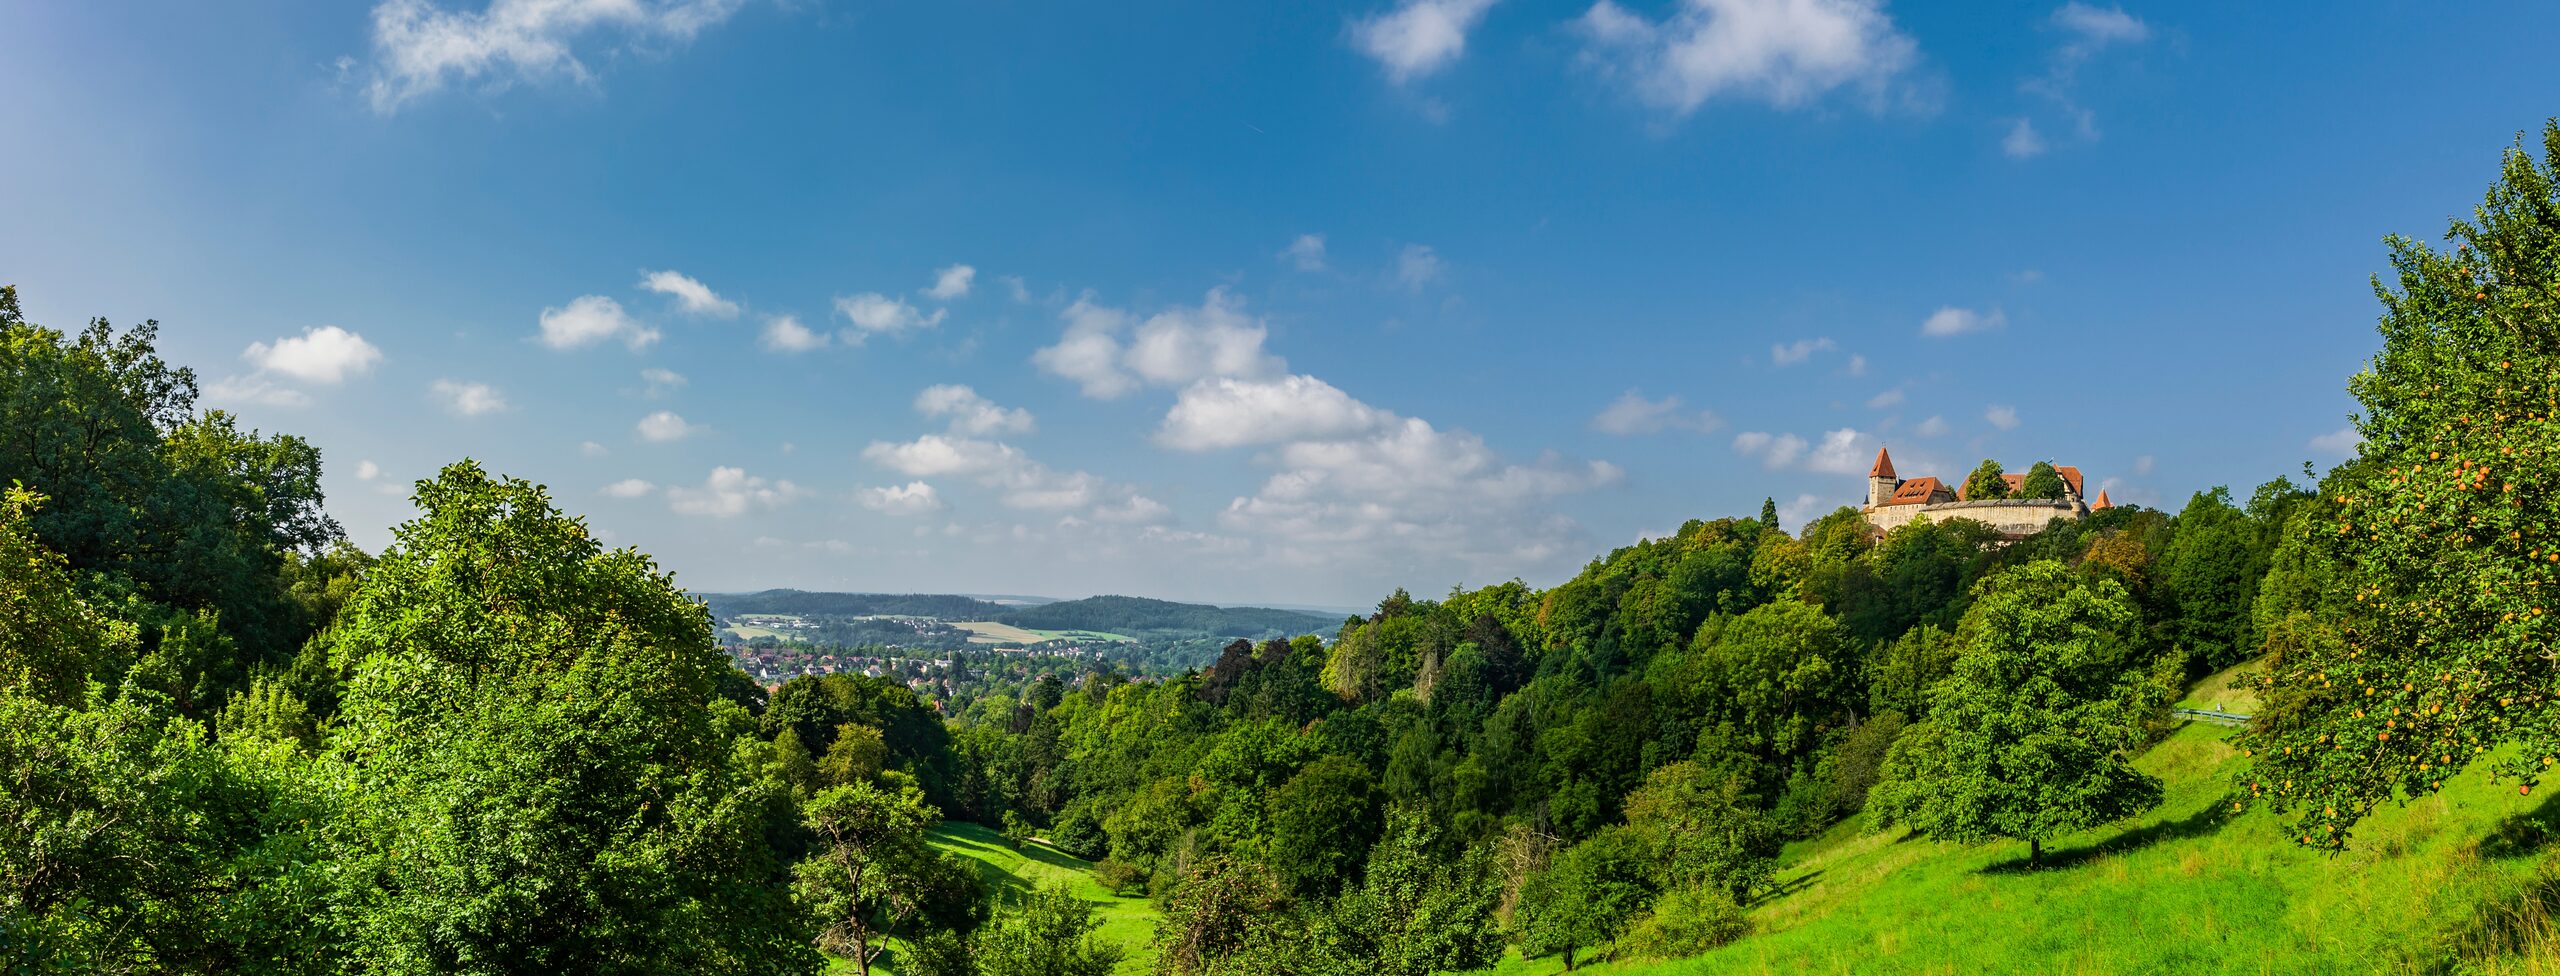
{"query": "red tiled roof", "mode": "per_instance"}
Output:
(2070, 476)
(1917, 491)
(1883, 467)
(2102, 503)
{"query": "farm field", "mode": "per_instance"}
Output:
(991, 632)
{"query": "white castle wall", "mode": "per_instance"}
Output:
(2012, 517)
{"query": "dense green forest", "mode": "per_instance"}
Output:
(233, 743)
(1140, 616)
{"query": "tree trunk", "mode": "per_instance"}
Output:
(2035, 852)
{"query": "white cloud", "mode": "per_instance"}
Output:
(590, 319)
(366, 470)
(2023, 141)
(420, 48)
(1800, 510)
(693, 296)
(1418, 37)
(1888, 398)
(2142, 465)
(2097, 27)
(2005, 418)
(1306, 253)
(592, 449)
(1843, 451)
(971, 414)
(1783, 52)
(2341, 442)
(1774, 450)
(783, 333)
(951, 282)
(327, 354)
(731, 492)
(466, 399)
(1014, 286)
(1418, 266)
(873, 313)
(935, 455)
(1857, 365)
(659, 382)
(629, 488)
(1932, 427)
(1632, 414)
(1791, 353)
(912, 498)
(1224, 412)
(254, 388)
(664, 426)
(1172, 348)
(1952, 321)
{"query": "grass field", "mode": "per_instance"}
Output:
(1127, 922)
(2442, 885)
(991, 632)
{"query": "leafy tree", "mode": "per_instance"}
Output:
(1415, 911)
(51, 641)
(1986, 482)
(2444, 533)
(858, 754)
(534, 778)
(1703, 830)
(2032, 735)
(2042, 481)
(1049, 933)
(2209, 576)
(1322, 822)
(1221, 911)
(1778, 674)
(870, 840)
(1586, 897)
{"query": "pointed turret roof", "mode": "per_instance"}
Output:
(1884, 465)
(2102, 502)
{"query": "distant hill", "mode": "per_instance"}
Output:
(1139, 615)
(941, 606)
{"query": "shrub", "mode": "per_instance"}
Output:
(1121, 877)
(1685, 922)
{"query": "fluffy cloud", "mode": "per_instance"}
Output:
(1783, 52)
(1952, 321)
(1171, 348)
(327, 354)
(935, 455)
(1843, 451)
(1419, 266)
(629, 488)
(2341, 442)
(664, 426)
(951, 282)
(1225, 412)
(1774, 450)
(1306, 253)
(872, 313)
(657, 382)
(1632, 414)
(466, 399)
(971, 414)
(1932, 427)
(420, 48)
(1886, 399)
(592, 449)
(1798, 511)
(691, 295)
(591, 319)
(2005, 418)
(782, 333)
(912, 498)
(366, 470)
(1418, 37)
(731, 492)
(1791, 353)
(254, 388)
(2086, 30)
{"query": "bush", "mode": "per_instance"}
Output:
(1121, 877)
(1017, 831)
(1686, 922)
(1078, 833)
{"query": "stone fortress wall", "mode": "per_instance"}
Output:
(2009, 516)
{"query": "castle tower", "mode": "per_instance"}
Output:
(1881, 480)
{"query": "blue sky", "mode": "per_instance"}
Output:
(1287, 303)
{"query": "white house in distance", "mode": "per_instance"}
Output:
(1893, 502)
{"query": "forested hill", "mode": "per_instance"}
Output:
(1139, 615)
(940, 606)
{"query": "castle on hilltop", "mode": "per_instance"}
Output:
(1892, 502)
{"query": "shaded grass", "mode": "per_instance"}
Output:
(2461, 882)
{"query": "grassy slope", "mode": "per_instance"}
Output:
(2188, 888)
(1127, 922)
